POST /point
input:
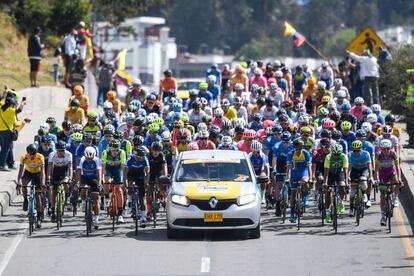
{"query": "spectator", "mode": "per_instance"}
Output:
(78, 75)
(69, 51)
(34, 50)
(384, 56)
(369, 73)
(56, 64)
(81, 38)
(7, 126)
(104, 82)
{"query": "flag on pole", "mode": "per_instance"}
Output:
(89, 45)
(123, 78)
(298, 39)
(119, 62)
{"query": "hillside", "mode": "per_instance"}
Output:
(14, 64)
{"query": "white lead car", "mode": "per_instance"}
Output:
(213, 189)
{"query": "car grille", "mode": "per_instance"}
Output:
(222, 204)
(201, 223)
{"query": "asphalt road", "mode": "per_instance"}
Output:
(282, 250)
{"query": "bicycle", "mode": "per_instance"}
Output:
(74, 197)
(88, 209)
(135, 208)
(335, 208)
(155, 201)
(113, 207)
(285, 201)
(299, 205)
(59, 204)
(389, 206)
(374, 189)
(359, 204)
(32, 212)
(322, 203)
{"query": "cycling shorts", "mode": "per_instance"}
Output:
(319, 170)
(138, 179)
(295, 177)
(356, 174)
(115, 173)
(59, 173)
(386, 176)
(339, 178)
(34, 178)
(278, 177)
(91, 182)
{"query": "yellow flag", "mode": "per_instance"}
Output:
(89, 45)
(289, 30)
(120, 60)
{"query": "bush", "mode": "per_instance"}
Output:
(52, 42)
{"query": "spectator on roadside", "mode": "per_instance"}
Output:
(34, 50)
(78, 75)
(56, 64)
(104, 82)
(81, 38)
(7, 126)
(384, 56)
(69, 52)
(370, 74)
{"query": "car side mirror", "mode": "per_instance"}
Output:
(165, 180)
(262, 179)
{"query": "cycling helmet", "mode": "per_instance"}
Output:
(239, 122)
(76, 137)
(338, 83)
(345, 125)
(300, 107)
(272, 86)
(206, 119)
(184, 118)
(360, 133)
(336, 134)
(140, 151)
(323, 120)
(114, 144)
(66, 125)
(193, 146)
(42, 132)
(321, 85)
(269, 131)
(376, 108)
(136, 82)
(46, 140)
(45, 126)
(385, 144)
(337, 149)
(202, 126)
(203, 134)
(218, 112)
(286, 136)
(331, 105)
(77, 128)
(341, 94)
(61, 145)
(329, 124)
(214, 130)
(359, 100)
(130, 117)
(74, 103)
(239, 129)
(159, 122)
(131, 108)
(87, 136)
(118, 135)
(335, 116)
(287, 103)
(256, 146)
(257, 117)
(239, 86)
(151, 97)
(283, 118)
(356, 145)
(367, 111)
(107, 105)
(279, 74)
(303, 120)
(390, 118)
(257, 72)
(156, 145)
(305, 130)
(51, 120)
(136, 103)
(277, 129)
(196, 104)
(326, 99)
(109, 130)
(248, 134)
(31, 149)
(325, 133)
(92, 115)
(183, 134)
(346, 107)
(203, 86)
(140, 121)
(297, 143)
(386, 130)
(211, 79)
(225, 103)
(166, 136)
(372, 118)
(226, 141)
(323, 112)
(154, 128)
(367, 127)
(324, 64)
(90, 152)
(138, 140)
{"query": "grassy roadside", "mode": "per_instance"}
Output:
(14, 63)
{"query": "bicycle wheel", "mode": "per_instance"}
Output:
(88, 216)
(74, 201)
(31, 217)
(113, 210)
(58, 211)
(335, 212)
(322, 207)
(154, 205)
(388, 211)
(298, 208)
(136, 214)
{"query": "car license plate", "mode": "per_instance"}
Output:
(213, 217)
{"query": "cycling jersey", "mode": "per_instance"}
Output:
(60, 161)
(209, 146)
(367, 146)
(255, 126)
(387, 167)
(231, 114)
(349, 138)
(45, 153)
(93, 130)
(259, 162)
(89, 169)
(299, 163)
(281, 152)
(81, 150)
(137, 165)
(113, 161)
(336, 164)
(74, 117)
(359, 162)
(269, 114)
(32, 164)
(156, 165)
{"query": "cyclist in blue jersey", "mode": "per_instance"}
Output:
(337, 137)
(108, 136)
(299, 81)
(153, 135)
(272, 140)
(87, 142)
(348, 135)
(75, 140)
(227, 144)
(45, 148)
(361, 135)
(298, 170)
(256, 122)
(280, 153)
(137, 172)
(89, 172)
(260, 164)
(360, 170)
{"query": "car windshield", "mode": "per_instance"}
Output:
(233, 170)
(188, 85)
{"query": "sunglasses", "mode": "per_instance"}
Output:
(357, 150)
(248, 139)
(203, 138)
(150, 102)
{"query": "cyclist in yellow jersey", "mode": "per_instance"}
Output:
(229, 111)
(32, 170)
(74, 114)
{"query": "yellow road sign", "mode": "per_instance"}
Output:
(367, 39)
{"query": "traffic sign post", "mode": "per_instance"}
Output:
(367, 39)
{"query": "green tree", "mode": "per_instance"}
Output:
(66, 14)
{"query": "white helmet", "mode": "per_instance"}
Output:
(273, 86)
(225, 103)
(239, 86)
(45, 126)
(376, 108)
(203, 134)
(256, 146)
(341, 93)
(253, 65)
(166, 136)
(137, 82)
(211, 79)
(279, 74)
(239, 122)
(367, 127)
(201, 126)
(338, 82)
(153, 115)
(226, 141)
(331, 105)
(372, 118)
(254, 87)
(321, 85)
(90, 152)
(82, 24)
(385, 144)
(359, 100)
(325, 64)
(257, 72)
(277, 63)
(107, 105)
(218, 112)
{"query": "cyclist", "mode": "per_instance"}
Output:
(53, 128)
(92, 126)
(125, 143)
(227, 144)
(137, 171)
(335, 172)
(387, 172)
(74, 114)
(203, 141)
(87, 142)
(60, 167)
(108, 136)
(113, 161)
(245, 144)
(82, 98)
(386, 133)
(348, 135)
(89, 172)
(169, 150)
(298, 170)
(32, 169)
(281, 151)
(318, 158)
(360, 170)
(260, 164)
(66, 131)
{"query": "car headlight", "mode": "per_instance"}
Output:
(246, 199)
(180, 200)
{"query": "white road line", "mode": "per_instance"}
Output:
(10, 252)
(205, 265)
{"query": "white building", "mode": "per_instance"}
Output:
(149, 46)
(397, 36)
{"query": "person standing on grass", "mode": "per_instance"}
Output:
(69, 45)
(7, 121)
(56, 65)
(34, 50)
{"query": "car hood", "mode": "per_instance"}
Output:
(218, 189)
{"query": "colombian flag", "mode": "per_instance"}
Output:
(119, 62)
(298, 39)
(123, 78)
